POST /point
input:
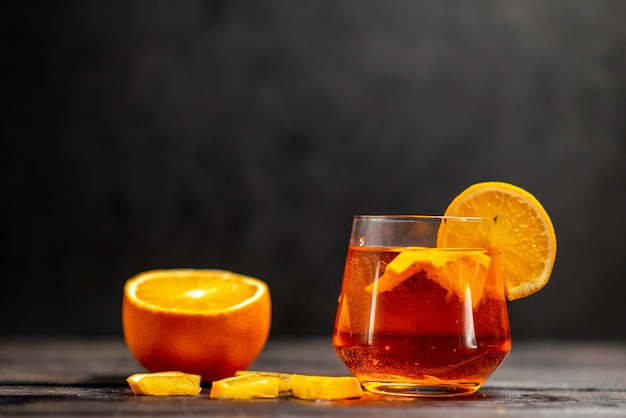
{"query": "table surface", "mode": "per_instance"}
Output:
(71, 377)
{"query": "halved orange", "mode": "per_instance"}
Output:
(206, 322)
(521, 234)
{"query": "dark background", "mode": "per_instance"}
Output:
(245, 136)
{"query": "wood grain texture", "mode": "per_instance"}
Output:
(80, 377)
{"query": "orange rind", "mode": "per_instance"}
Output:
(520, 233)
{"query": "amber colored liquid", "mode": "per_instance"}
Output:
(417, 336)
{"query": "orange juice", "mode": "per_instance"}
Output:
(421, 335)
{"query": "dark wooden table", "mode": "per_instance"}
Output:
(86, 377)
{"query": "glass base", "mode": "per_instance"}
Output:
(421, 389)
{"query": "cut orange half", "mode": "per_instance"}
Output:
(206, 322)
(521, 234)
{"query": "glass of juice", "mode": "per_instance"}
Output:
(414, 317)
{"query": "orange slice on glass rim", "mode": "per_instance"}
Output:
(522, 234)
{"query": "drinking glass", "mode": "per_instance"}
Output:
(416, 317)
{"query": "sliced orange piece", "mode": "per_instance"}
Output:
(284, 383)
(247, 386)
(458, 271)
(325, 388)
(522, 234)
(403, 266)
(464, 273)
(206, 322)
(165, 383)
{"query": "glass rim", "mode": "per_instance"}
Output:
(419, 218)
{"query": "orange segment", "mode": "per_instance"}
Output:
(165, 383)
(247, 386)
(206, 322)
(460, 272)
(464, 273)
(284, 383)
(406, 264)
(325, 388)
(270, 385)
(521, 232)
